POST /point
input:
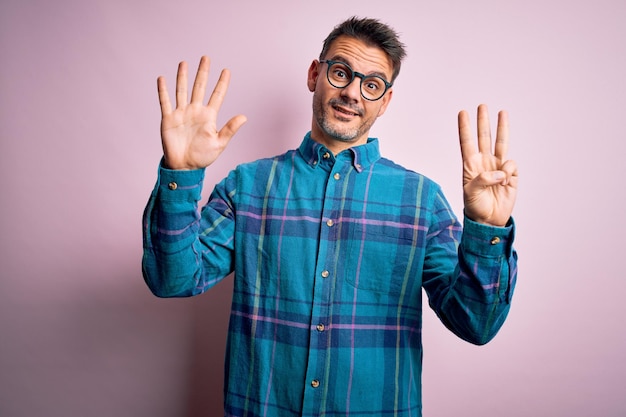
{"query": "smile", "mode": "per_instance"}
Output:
(345, 111)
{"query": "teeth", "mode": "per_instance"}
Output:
(346, 112)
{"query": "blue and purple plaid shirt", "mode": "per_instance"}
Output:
(330, 255)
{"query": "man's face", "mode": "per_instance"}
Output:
(342, 117)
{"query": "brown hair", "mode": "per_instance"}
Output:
(373, 32)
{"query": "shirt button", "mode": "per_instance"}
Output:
(330, 223)
(315, 383)
(320, 327)
(172, 186)
(326, 155)
(495, 240)
(325, 274)
(336, 176)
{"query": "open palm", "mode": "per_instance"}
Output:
(189, 133)
(489, 179)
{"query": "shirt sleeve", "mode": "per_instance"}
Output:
(186, 251)
(470, 283)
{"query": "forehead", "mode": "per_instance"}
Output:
(360, 56)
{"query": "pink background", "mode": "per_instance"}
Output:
(80, 335)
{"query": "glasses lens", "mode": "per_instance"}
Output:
(372, 87)
(340, 75)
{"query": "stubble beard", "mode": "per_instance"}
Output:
(345, 134)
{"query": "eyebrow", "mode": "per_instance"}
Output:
(347, 61)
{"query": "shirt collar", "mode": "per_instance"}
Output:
(363, 156)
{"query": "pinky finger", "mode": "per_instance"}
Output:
(510, 168)
(164, 98)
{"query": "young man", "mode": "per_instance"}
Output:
(330, 243)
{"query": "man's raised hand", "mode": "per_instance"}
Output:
(189, 132)
(489, 179)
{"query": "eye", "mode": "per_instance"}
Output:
(340, 72)
(373, 84)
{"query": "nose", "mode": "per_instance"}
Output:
(353, 90)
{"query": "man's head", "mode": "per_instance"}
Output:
(373, 33)
(351, 83)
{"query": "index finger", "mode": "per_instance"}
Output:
(219, 92)
(502, 135)
(465, 136)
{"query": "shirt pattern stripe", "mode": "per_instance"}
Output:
(329, 256)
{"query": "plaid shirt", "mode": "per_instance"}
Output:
(330, 255)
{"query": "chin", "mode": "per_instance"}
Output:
(342, 135)
(336, 129)
(339, 131)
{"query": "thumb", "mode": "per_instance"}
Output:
(232, 126)
(488, 179)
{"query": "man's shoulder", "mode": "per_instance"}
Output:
(261, 168)
(267, 160)
(395, 168)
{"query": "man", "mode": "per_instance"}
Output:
(330, 243)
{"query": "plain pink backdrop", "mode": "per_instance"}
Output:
(80, 335)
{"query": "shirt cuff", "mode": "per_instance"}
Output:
(488, 241)
(180, 185)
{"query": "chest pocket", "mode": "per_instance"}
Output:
(377, 258)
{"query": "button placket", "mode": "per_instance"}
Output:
(329, 229)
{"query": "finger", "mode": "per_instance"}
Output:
(502, 136)
(181, 85)
(507, 174)
(199, 84)
(219, 92)
(232, 126)
(164, 98)
(465, 136)
(484, 130)
(510, 171)
(488, 179)
(510, 167)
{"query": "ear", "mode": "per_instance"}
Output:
(385, 102)
(313, 74)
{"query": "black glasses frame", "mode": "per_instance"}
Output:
(355, 74)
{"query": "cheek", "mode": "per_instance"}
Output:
(322, 94)
(381, 109)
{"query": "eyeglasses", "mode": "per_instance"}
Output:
(340, 75)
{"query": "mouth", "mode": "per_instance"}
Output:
(342, 110)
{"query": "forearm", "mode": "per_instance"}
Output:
(478, 299)
(175, 260)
